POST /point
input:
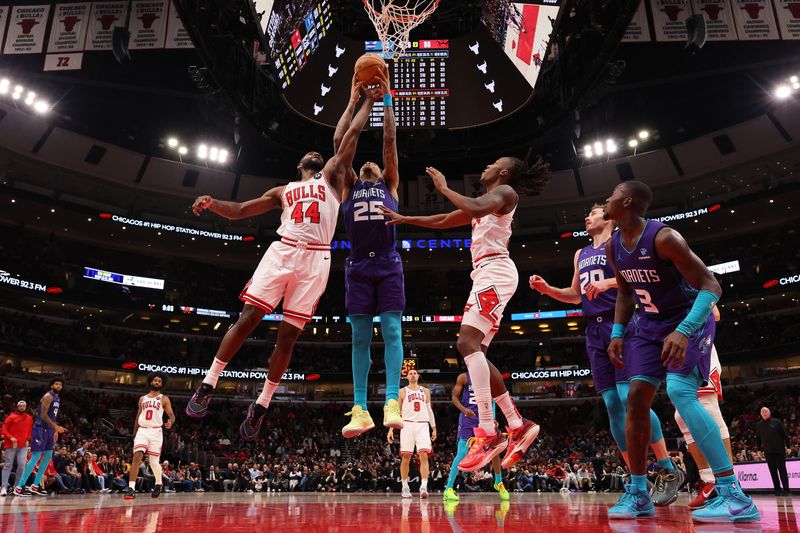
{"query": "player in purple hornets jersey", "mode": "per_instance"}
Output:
(675, 293)
(374, 282)
(594, 286)
(463, 397)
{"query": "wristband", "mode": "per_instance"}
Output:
(387, 100)
(699, 313)
(618, 331)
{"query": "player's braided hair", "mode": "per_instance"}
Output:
(530, 180)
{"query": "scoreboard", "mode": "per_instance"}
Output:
(419, 85)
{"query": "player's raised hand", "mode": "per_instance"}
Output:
(674, 351)
(538, 283)
(383, 81)
(439, 181)
(393, 218)
(616, 352)
(390, 436)
(201, 204)
(355, 90)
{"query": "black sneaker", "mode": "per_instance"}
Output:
(35, 490)
(198, 405)
(249, 429)
(20, 491)
(156, 491)
(667, 486)
(129, 494)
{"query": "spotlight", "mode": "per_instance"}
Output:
(202, 151)
(183, 150)
(598, 148)
(587, 148)
(30, 98)
(223, 156)
(796, 85)
(4, 85)
(611, 146)
(782, 92)
(41, 107)
(794, 79)
(644, 134)
(212, 154)
(172, 142)
(17, 92)
(588, 154)
(633, 143)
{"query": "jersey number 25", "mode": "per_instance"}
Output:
(364, 211)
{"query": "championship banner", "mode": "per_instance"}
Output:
(638, 30)
(788, 13)
(148, 24)
(3, 23)
(755, 20)
(669, 19)
(719, 19)
(26, 29)
(68, 30)
(177, 36)
(429, 198)
(102, 20)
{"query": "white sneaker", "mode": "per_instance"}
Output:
(423, 494)
(406, 492)
(3, 491)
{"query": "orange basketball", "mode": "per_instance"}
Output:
(368, 66)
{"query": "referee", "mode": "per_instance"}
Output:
(774, 440)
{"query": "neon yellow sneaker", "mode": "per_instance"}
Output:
(359, 423)
(450, 495)
(391, 415)
(500, 488)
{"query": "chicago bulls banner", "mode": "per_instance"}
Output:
(755, 20)
(102, 19)
(669, 19)
(177, 36)
(26, 29)
(68, 29)
(148, 24)
(638, 30)
(719, 19)
(3, 23)
(788, 12)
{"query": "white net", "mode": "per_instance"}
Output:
(394, 20)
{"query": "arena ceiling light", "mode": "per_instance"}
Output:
(28, 97)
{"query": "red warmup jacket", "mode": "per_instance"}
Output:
(17, 425)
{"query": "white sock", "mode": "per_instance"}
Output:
(266, 393)
(506, 405)
(213, 373)
(423, 485)
(707, 475)
(405, 483)
(478, 369)
(132, 484)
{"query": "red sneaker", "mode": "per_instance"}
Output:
(519, 440)
(705, 494)
(482, 449)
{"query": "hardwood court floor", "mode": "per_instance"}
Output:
(361, 513)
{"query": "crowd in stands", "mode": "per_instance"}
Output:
(301, 448)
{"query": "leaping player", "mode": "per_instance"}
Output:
(675, 293)
(494, 281)
(463, 397)
(295, 269)
(148, 436)
(374, 283)
(595, 288)
(415, 404)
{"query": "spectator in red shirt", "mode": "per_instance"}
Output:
(16, 437)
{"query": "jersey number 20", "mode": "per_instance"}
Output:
(592, 276)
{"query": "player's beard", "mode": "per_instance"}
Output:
(153, 388)
(310, 163)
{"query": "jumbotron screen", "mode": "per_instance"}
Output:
(438, 84)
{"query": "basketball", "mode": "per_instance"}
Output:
(368, 66)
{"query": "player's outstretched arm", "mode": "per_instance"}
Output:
(623, 312)
(391, 174)
(337, 167)
(347, 117)
(239, 210)
(168, 409)
(441, 221)
(500, 200)
(570, 295)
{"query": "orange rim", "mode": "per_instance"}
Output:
(424, 14)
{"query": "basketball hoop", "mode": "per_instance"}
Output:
(394, 20)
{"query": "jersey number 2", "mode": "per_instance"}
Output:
(312, 213)
(360, 211)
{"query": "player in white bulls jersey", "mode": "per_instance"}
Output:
(494, 281)
(709, 396)
(148, 434)
(294, 269)
(415, 406)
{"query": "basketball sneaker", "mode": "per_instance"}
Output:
(665, 489)
(482, 449)
(423, 493)
(156, 491)
(360, 422)
(406, 492)
(633, 503)
(519, 440)
(129, 494)
(450, 495)
(391, 415)
(705, 493)
(201, 399)
(36, 490)
(730, 505)
(501, 489)
(20, 491)
(249, 429)
(3, 492)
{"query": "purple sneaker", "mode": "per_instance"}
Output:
(198, 405)
(249, 429)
